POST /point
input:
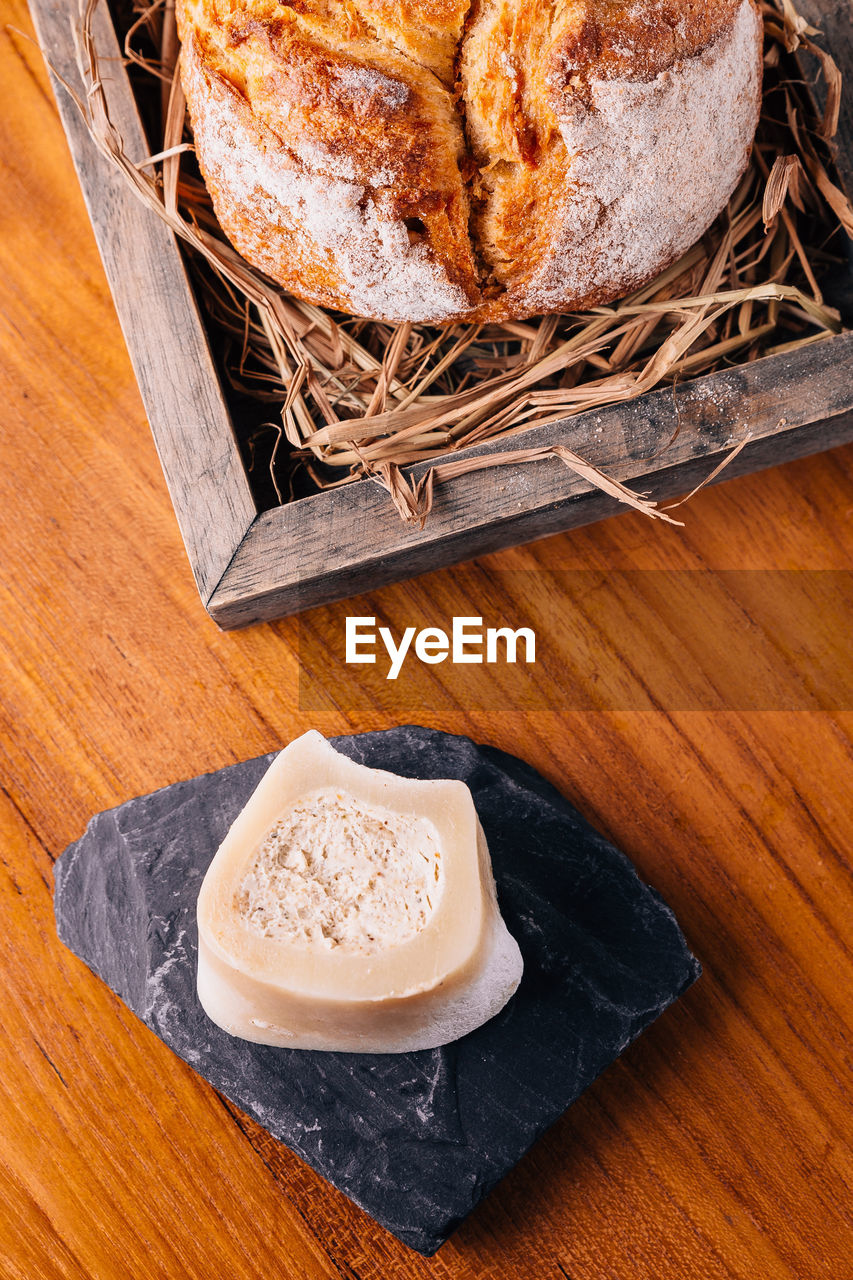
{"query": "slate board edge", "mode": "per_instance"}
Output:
(488, 1186)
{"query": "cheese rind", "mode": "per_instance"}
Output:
(412, 990)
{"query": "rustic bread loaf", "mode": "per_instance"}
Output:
(438, 160)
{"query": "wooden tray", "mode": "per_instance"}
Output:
(252, 565)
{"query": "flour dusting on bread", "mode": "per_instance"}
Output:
(630, 208)
(357, 254)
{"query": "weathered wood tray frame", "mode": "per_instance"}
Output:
(251, 566)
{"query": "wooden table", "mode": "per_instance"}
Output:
(718, 1146)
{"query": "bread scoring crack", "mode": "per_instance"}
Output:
(513, 135)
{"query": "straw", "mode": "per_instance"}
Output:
(363, 399)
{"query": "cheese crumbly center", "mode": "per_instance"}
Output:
(335, 872)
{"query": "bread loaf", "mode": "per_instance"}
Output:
(441, 160)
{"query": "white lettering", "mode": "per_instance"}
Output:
(463, 637)
(398, 653)
(432, 645)
(511, 637)
(354, 638)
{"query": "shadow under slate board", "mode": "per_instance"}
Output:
(416, 1139)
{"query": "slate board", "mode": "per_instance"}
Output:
(415, 1139)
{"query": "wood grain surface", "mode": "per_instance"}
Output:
(157, 308)
(718, 1147)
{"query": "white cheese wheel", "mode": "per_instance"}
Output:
(349, 909)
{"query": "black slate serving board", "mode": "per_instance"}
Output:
(415, 1139)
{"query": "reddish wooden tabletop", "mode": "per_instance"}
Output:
(717, 1147)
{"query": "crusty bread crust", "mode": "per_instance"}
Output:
(440, 160)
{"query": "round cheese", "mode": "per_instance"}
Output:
(352, 909)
